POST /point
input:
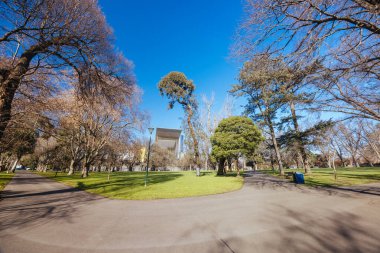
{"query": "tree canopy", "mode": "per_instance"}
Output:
(178, 89)
(235, 137)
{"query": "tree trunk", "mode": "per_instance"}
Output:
(237, 167)
(192, 133)
(71, 168)
(355, 162)
(276, 149)
(7, 92)
(206, 162)
(341, 158)
(229, 165)
(13, 168)
(301, 146)
(85, 171)
(297, 162)
(329, 161)
(334, 169)
(10, 82)
(221, 167)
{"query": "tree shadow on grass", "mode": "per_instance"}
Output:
(361, 176)
(20, 208)
(260, 180)
(352, 175)
(122, 181)
(231, 174)
(205, 173)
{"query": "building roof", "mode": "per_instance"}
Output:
(167, 133)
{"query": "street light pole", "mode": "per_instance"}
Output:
(147, 164)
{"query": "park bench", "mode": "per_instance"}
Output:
(289, 174)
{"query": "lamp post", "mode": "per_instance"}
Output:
(147, 164)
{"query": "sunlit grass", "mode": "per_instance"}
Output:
(130, 185)
(345, 176)
(4, 179)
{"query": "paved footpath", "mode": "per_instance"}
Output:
(267, 215)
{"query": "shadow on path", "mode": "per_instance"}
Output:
(308, 232)
(40, 201)
(21, 194)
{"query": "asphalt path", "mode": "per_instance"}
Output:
(266, 215)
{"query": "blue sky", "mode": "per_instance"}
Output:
(193, 37)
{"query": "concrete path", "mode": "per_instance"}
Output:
(267, 215)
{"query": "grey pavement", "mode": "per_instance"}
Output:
(266, 215)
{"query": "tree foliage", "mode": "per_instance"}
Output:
(178, 89)
(235, 137)
(262, 81)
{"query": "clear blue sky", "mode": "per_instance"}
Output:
(193, 37)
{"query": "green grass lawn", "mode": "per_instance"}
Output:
(4, 179)
(130, 185)
(345, 176)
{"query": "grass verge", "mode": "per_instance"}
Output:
(345, 176)
(5, 178)
(160, 185)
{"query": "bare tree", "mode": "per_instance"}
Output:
(306, 25)
(345, 34)
(325, 147)
(208, 119)
(261, 80)
(85, 127)
(162, 158)
(350, 137)
(337, 145)
(63, 38)
(132, 153)
(45, 151)
(207, 127)
(298, 93)
(370, 134)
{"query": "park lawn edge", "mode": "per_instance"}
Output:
(50, 175)
(5, 181)
(314, 179)
(163, 198)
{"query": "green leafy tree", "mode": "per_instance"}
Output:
(235, 137)
(178, 89)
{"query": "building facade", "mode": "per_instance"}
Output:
(170, 139)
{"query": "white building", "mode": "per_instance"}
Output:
(170, 139)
